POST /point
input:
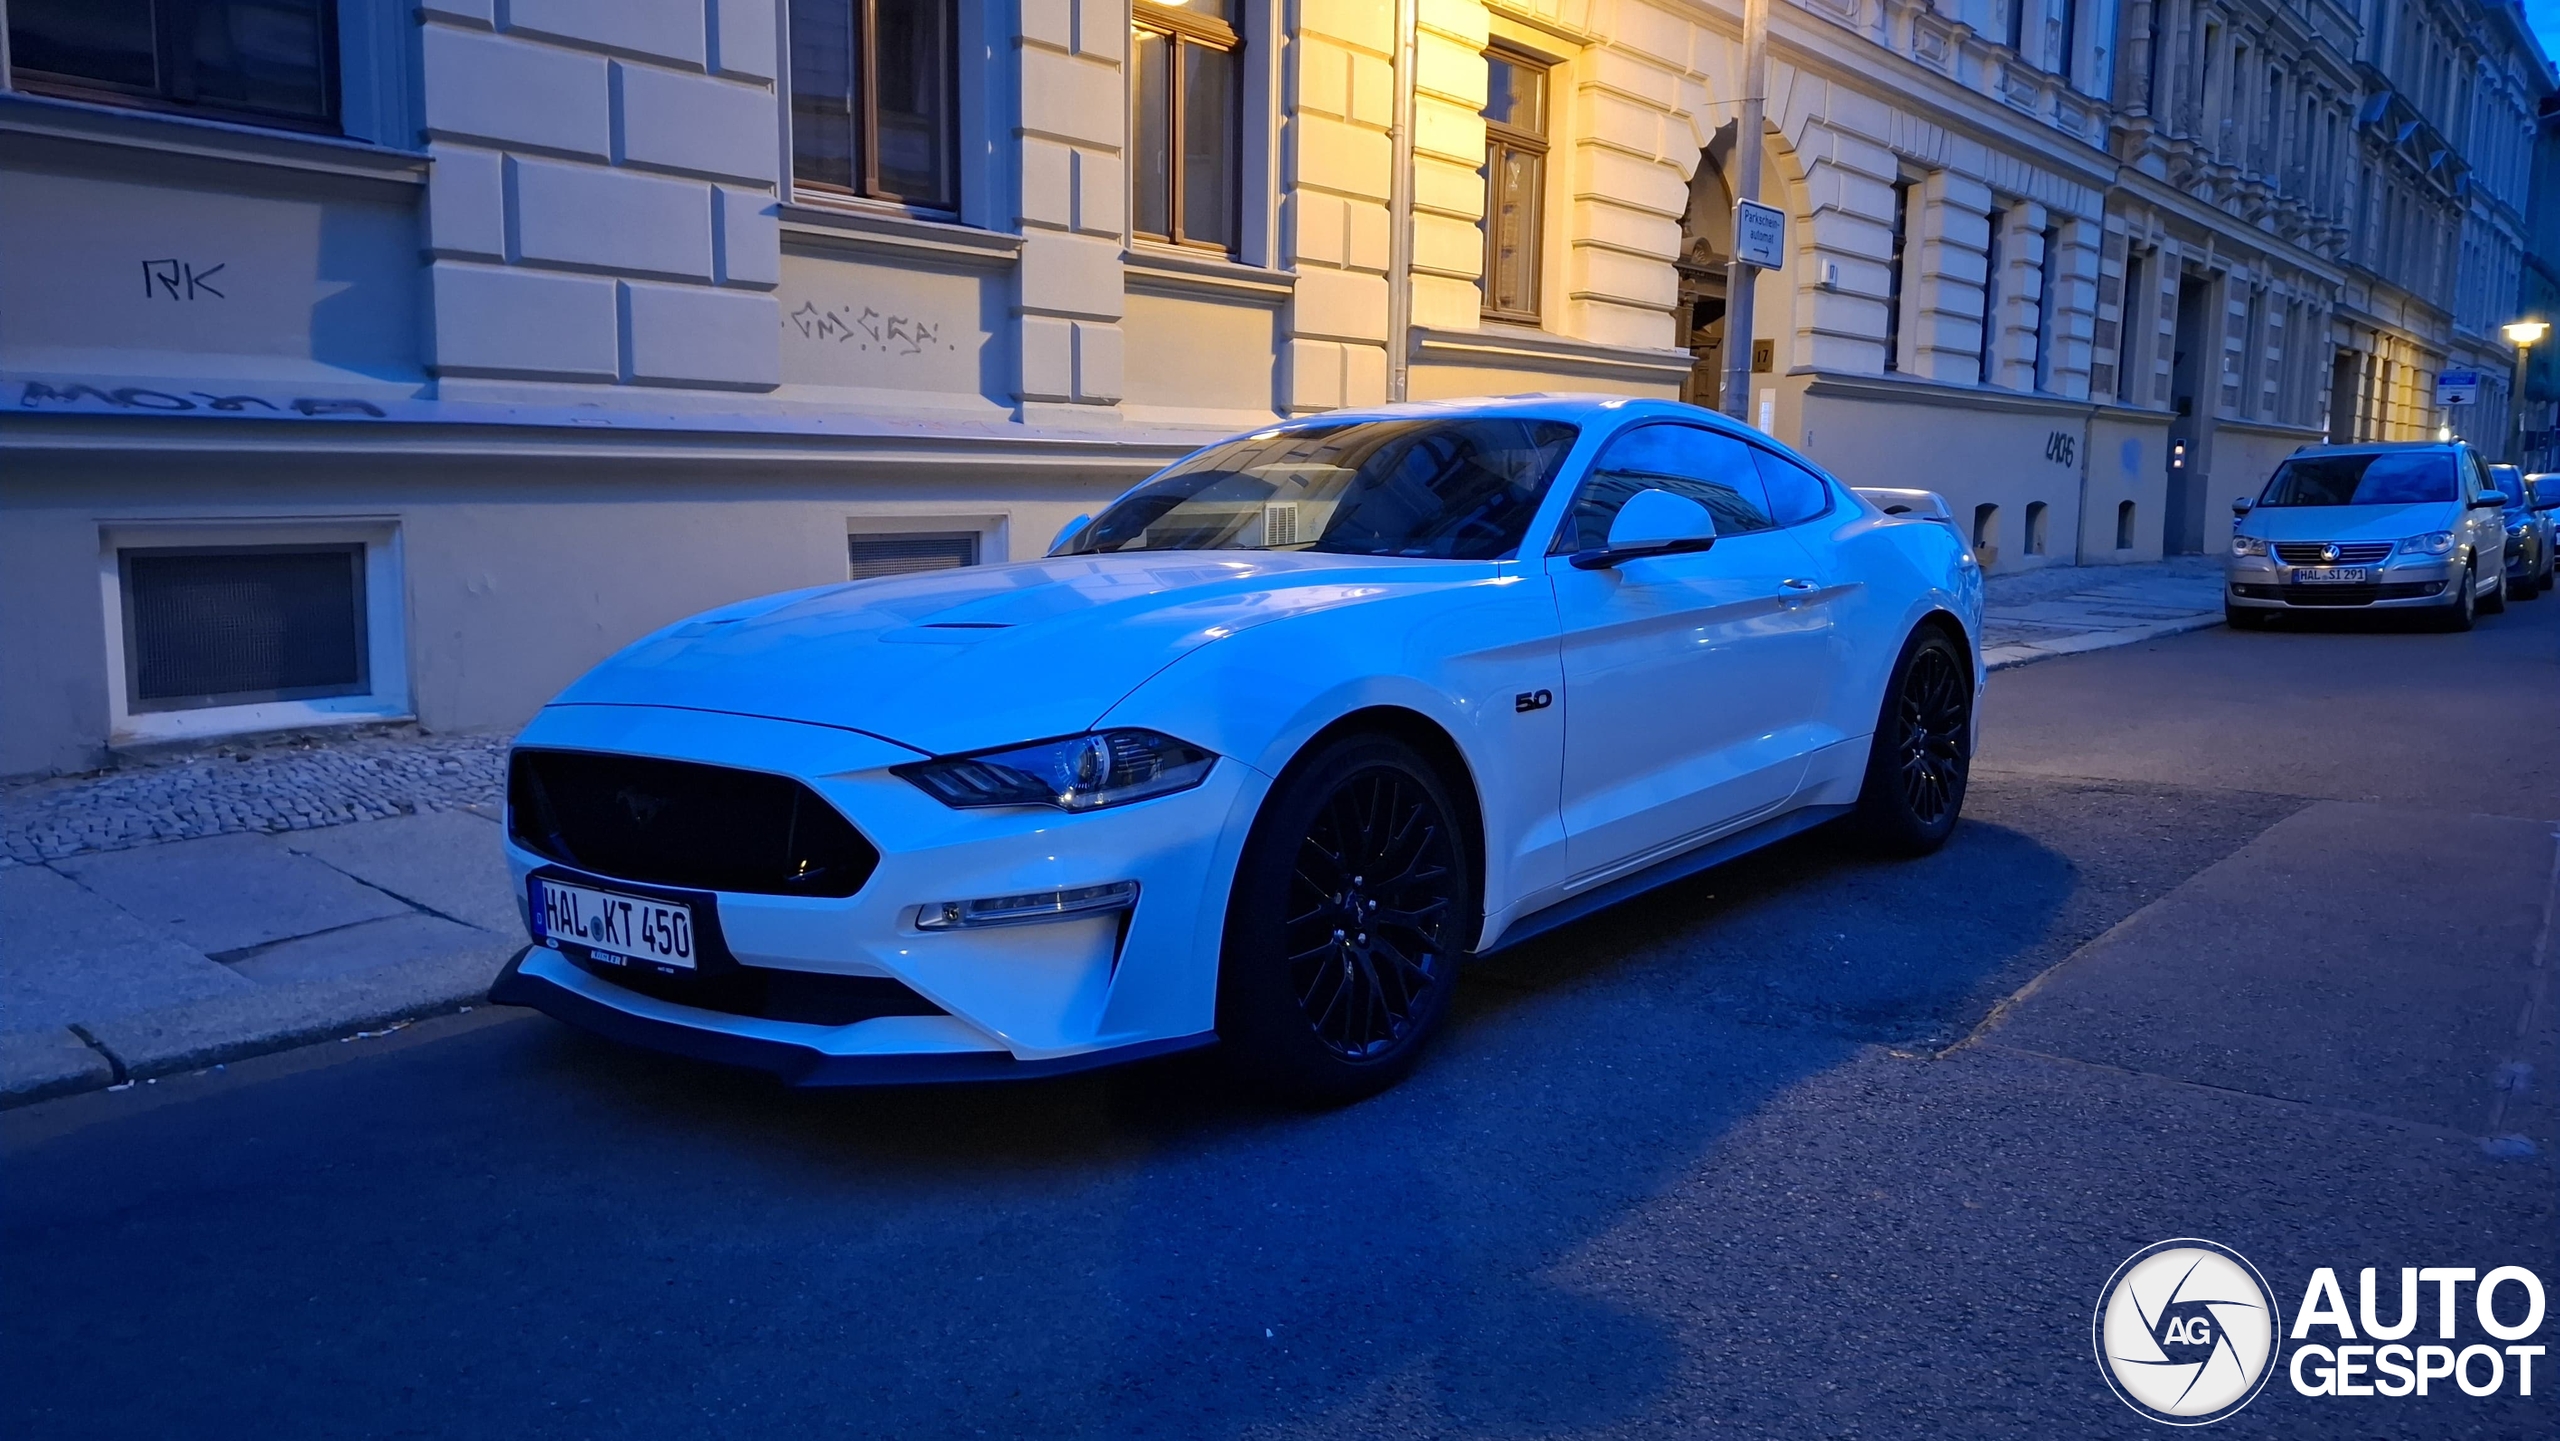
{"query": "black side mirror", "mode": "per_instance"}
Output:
(2240, 505)
(2490, 500)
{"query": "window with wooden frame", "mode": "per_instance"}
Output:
(1187, 121)
(873, 100)
(1515, 182)
(263, 62)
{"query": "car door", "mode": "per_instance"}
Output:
(2484, 530)
(1691, 682)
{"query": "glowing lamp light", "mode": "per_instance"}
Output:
(2526, 332)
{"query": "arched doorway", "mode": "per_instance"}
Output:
(1706, 248)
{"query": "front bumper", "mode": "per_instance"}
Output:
(2399, 584)
(544, 981)
(1004, 1002)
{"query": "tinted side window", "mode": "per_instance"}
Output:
(1796, 494)
(1713, 470)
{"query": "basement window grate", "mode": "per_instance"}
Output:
(241, 625)
(908, 552)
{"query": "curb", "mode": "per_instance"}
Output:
(2005, 657)
(95, 1056)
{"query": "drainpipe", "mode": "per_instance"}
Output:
(1740, 278)
(1400, 210)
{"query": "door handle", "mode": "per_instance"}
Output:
(1793, 591)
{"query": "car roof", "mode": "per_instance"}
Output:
(1580, 407)
(1588, 409)
(2379, 447)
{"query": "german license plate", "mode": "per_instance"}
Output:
(2332, 575)
(617, 928)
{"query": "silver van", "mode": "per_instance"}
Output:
(2413, 525)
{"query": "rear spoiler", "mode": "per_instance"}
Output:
(1911, 505)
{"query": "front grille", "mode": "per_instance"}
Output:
(805, 997)
(675, 823)
(2350, 552)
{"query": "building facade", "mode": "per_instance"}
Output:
(377, 359)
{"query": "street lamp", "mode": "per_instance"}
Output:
(2523, 334)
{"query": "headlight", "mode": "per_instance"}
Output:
(1078, 773)
(2248, 545)
(2434, 542)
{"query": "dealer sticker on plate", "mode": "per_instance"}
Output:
(615, 927)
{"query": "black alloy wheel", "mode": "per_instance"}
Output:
(1922, 754)
(1369, 899)
(1354, 903)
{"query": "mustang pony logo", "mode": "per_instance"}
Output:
(643, 806)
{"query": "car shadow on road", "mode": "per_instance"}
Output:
(1158, 1246)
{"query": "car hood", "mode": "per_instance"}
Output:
(959, 660)
(2350, 522)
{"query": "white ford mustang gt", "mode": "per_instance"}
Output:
(1259, 756)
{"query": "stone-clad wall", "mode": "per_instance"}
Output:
(602, 197)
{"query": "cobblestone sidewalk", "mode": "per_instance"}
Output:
(286, 785)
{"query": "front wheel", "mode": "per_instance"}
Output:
(1923, 750)
(2495, 602)
(2242, 617)
(1354, 902)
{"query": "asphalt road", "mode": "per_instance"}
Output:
(2235, 943)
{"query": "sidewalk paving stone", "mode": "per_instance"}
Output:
(405, 941)
(36, 1065)
(449, 863)
(229, 893)
(70, 955)
(269, 1018)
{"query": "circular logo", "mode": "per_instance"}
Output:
(2329, 552)
(2186, 1332)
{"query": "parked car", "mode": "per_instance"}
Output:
(2406, 525)
(2530, 532)
(1258, 756)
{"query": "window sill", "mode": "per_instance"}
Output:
(1174, 267)
(1515, 346)
(206, 723)
(841, 225)
(78, 122)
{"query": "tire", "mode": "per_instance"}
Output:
(2241, 617)
(1314, 1007)
(2495, 602)
(1923, 750)
(2459, 614)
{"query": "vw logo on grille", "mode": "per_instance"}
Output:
(2329, 551)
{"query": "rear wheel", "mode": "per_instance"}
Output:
(1354, 902)
(1922, 752)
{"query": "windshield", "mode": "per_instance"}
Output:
(1446, 489)
(2402, 477)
